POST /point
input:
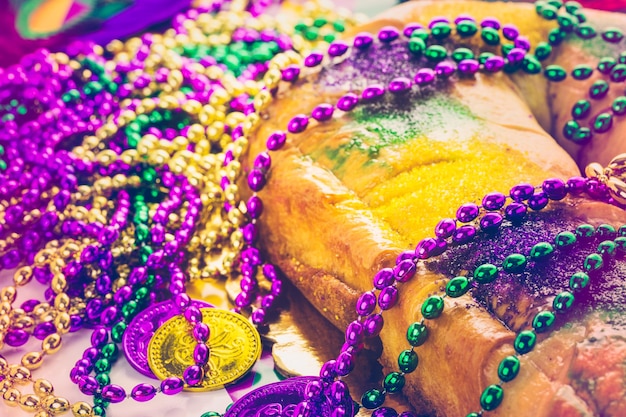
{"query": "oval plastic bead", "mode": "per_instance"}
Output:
(606, 231)
(606, 64)
(460, 54)
(394, 382)
(563, 301)
(514, 263)
(467, 212)
(508, 368)
(491, 221)
(416, 334)
(445, 228)
(366, 303)
(531, 65)
(579, 281)
(555, 73)
(570, 129)
(585, 231)
(543, 51)
(593, 263)
(432, 307)
(408, 361)
(556, 36)
(440, 30)
(566, 22)
(543, 321)
(582, 72)
(612, 35)
(457, 286)
(619, 106)
(421, 33)
(490, 36)
(436, 53)
(541, 250)
(383, 278)
(581, 109)
(607, 249)
(417, 46)
(493, 201)
(548, 12)
(582, 136)
(388, 297)
(598, 89)
(373, 399)
(585, 31)
(466, 28)
(486, 273)
(603, 123)
(491, 397)
(525, 341)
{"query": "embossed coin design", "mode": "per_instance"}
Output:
(141, 329)
(234, 343)
(280, 399)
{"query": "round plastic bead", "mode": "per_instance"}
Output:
(432, 307)
(417, 334)
(579, 281)
(563, 301)
(457, 286)
(466, 28)
(508, 368)
(514, 263)
(373, 399)
(485, 273)
(394, 382)
(491, 397)
(543, 321)
(525, 341)
(408, 361)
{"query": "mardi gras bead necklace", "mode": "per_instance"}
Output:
(555, 189)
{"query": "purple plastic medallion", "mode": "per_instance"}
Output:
(280, 399)
(140, 330)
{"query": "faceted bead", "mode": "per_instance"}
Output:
(394, 382)
(457, 286)
(110, 351)
(99, 337)
(373, 92)
(424, 77)
(436, 53)
(384, 278)
(599, 89)
(508, 368)
(491, 397)
(201, 354)
(603, 123)
(579, 281)
(612, 35)
(441, 30)
(363, 40)
(543, 321)
(619, 106)
(102, 365)
(407, 361)
(298, 123)
(543, 51)
(373, 399)
(485, 273)
(490, 36)
(466, 28)
(327, 372)
(541, 251)
(313, 389)
(417, 334)
(593, 263)
(525, 341)
(366, 303)
(388, 297)
(117, 331)
(555, 73)
(582, 72)
(323, 112)
(193, 375)
(563, 301)
(581, 109)
(432, 307)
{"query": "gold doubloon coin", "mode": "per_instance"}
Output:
(234, 344)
